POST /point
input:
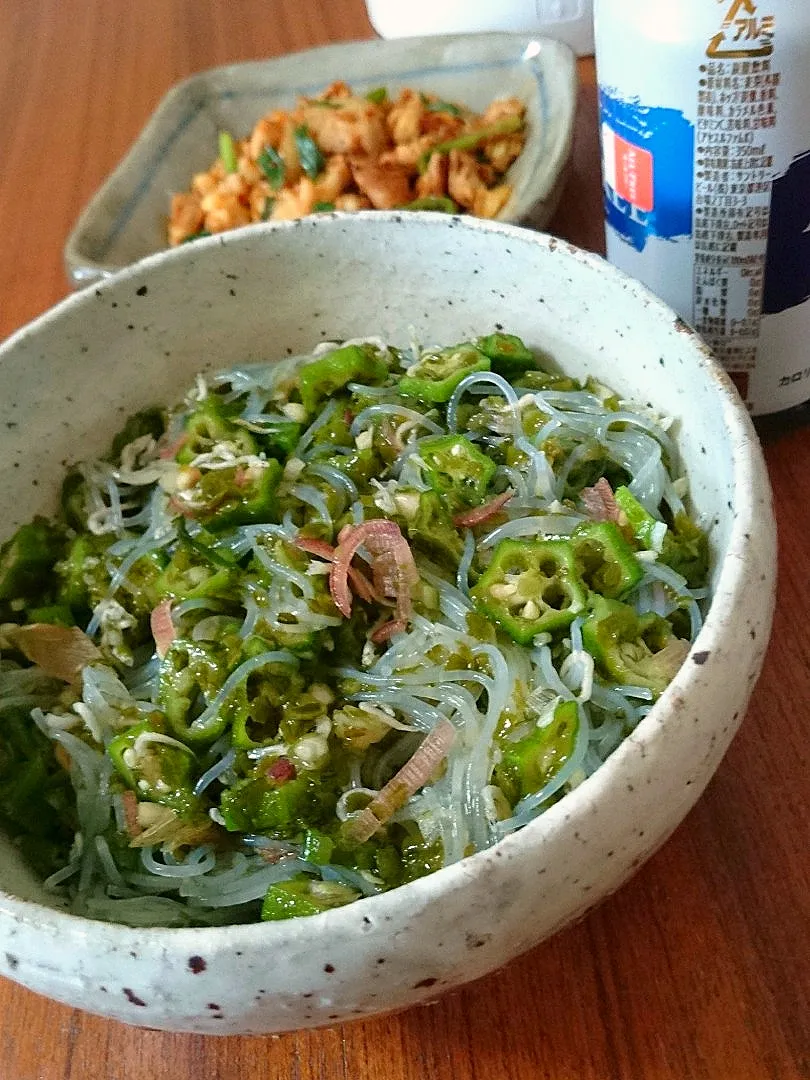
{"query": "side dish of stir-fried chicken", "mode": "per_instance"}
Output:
(344, 151)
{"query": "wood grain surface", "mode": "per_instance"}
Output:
(700, 966)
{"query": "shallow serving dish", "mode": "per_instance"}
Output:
(126, 218)
(139, 338)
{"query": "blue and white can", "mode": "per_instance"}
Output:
(705, 132)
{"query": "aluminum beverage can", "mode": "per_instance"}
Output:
(705, 135)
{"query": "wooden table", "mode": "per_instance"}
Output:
(700, 967)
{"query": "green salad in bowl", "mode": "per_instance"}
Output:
(335, 622)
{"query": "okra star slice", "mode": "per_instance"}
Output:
(646, 530)
(155, 766)
(212, 422)
(526, 766)
(28, 558)
(304, 896)
(632, 649)
(189, 670)
(237, 496)
(437, 372)
(455, 467)
(508, 354)
(530, 587)
(606, 562)
(319, 379)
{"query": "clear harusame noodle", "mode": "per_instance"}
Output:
(333, 623)
(345, 151)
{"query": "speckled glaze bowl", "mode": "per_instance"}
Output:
(139, 337)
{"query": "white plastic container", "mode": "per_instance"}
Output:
(705, 127)
(570, 21)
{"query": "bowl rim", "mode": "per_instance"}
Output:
(544, 174)
(749, 473)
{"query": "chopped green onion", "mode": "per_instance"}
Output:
(443, 204)
(441, 107)
(310, 156)
(195, 236)
(227, 152)
(272, 165)
(470, 140)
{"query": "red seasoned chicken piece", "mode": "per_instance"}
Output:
(386, 186)
(355, 126)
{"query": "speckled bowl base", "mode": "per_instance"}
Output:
(70, 378)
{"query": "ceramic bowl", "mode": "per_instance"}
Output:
(126, 219)
(140, 337)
